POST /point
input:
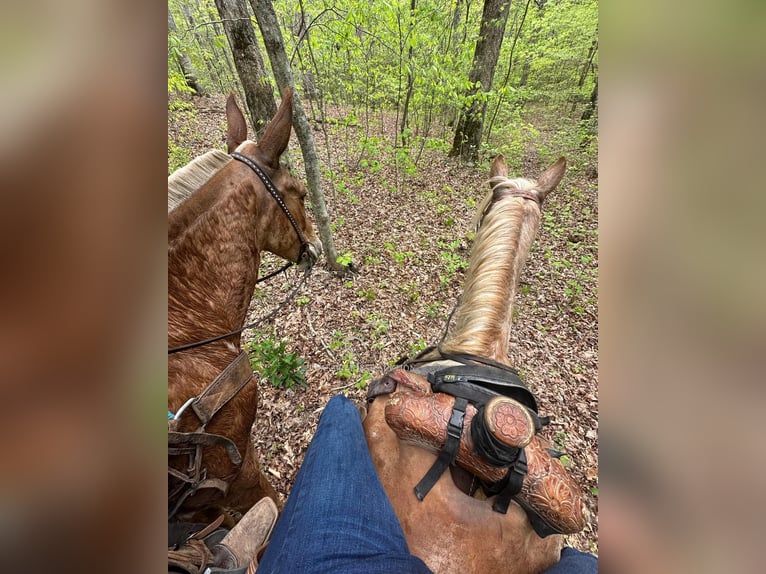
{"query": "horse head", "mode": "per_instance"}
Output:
(286, 229)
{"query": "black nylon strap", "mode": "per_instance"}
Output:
(513, 483)
(448, 452)
(499, 381)
(474, 393)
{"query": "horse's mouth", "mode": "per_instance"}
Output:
(311, 255)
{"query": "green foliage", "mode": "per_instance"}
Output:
(362, 57)
(452, 260)
(349, 368)
(368, 294)
(177, 83)
(345, 259)
(177, 156)
(416, 347)
(401, 257)
(280, 367)
(432, 309)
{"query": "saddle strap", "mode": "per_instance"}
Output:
(484, 381)
(225, 386)
(448, 452)
(180, 443)
(194, 478)
(550, 496)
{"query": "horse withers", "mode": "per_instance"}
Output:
(247, 204)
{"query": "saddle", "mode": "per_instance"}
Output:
(182, 485)
(483, 418)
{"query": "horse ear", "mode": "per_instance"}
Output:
(277, 134)
(236, 132)
(498, 167)
(551, 177)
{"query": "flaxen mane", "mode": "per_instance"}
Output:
(504, 222)
(188, 179)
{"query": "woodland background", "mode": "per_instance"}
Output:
(385, 86)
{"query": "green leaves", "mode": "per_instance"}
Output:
(270, 357)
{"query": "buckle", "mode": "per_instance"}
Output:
(455, 426)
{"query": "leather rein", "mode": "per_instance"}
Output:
(303, 254)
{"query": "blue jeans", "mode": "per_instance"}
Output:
(574, 562)
(338, 518)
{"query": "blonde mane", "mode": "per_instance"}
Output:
(506, 226)
(188, 179)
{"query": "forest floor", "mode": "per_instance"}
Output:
(405, 225)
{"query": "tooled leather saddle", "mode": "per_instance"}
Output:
(479, 415)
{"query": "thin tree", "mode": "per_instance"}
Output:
(259, 94)
(202, 45)
(592, 104)
(471, 123)
(510, 67)
(587, 66)
(410, 76)
(184, 61)
(275, 48)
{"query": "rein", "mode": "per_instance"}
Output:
(266, 317)
(304, 252)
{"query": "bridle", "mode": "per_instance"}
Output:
(271, 188)
(303, 254)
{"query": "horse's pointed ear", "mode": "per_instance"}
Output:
(498, 167)
(236, 132)
(277, 134)
(551, 177)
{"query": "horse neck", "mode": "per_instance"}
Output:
(483, 320)
(213, 266)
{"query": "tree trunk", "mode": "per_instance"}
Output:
(410, 78)
(510, 67)
(249, 63)
(211, 68)
(184, 61)
(471, 122)
(590, 108)
(586, 68)
(233, 76)
(275, 47)
(588, 63)
(452, 38)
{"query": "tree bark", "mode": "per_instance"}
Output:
(211, 67)
(275, 48)
(510, 67)
(249, 63)
(184, 61)
(452, 42)
(410, 78)
(471, 122)
(590, 108)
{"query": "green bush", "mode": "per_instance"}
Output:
(270, 357)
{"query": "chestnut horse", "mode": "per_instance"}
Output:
(453, 526)
(215, 238)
